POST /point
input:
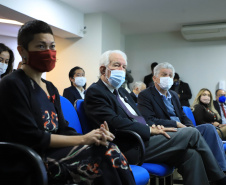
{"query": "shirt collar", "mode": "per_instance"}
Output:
(109, 87)
(168, 95)
(81, 91)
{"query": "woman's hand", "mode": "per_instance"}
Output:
(99, 136)
(96, 137)
(105, 129)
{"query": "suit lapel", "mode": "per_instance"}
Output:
(158, 100)
(127, 100)
(76, 91)
(133, 105)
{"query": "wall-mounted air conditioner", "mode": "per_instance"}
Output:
(216, 31)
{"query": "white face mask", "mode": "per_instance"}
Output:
(165, 83)
(3, 68)
(205, 99)
(80, 81)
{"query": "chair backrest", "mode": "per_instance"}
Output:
(189, 114)
(85, 124)
(20, 164)
(70, 114)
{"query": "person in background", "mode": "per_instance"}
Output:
(162, 106)
(6, 60)
(128, 80)
(182, 89)
(204, 112)
(183, 148)
(78, 82)
(148, 79)
(31, 115)
(137, 88)
(220, 104)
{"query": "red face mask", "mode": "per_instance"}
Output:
(42, 61)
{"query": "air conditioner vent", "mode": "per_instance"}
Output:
(204, 32)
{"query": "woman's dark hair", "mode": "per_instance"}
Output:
(72, 73)
(9, 69)
(29, 29)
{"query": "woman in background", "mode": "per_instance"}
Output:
(77, 88)
(204, 112)
(31, 115)
(6, 60)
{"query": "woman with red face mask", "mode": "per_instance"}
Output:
(204, 112)
(31, 114)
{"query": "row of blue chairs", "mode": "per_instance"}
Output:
(158, 172)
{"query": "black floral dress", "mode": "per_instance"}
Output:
(36, 116)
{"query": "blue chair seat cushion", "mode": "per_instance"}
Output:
(225, 147)
(140, 174)
(158, 169)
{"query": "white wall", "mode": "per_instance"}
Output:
(201, 64)
(84, 52)
(55, 13)
(111, 33)
(100, 35)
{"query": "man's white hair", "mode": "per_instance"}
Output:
(137, 84)
(104, 59)
(164, 65)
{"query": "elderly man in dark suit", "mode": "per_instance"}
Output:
(185, 148)
(162, 106)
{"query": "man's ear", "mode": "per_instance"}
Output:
(102, 70)
(137, 89)
(154, 78)
(20, 49)
(23, 53)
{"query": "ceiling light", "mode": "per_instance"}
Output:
(7, 21)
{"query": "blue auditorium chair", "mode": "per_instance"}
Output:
(159, 172)
(140, 174)
(189, 114)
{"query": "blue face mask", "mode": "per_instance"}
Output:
(117, 78)
(222, 99)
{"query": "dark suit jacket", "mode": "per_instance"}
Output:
(101, 105)
(133, 96)
(152, 108)
(72, 94)
(217, 107)
(184, 92)
(148, 80)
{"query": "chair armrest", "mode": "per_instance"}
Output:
(131, 145)
(21, 164)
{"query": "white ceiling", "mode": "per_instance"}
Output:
(148, 16)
